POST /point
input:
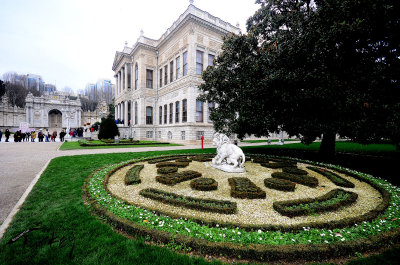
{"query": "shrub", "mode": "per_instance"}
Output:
(335, 178)
(329, 202)
(108, 128)
(276, 165)
(203, 158)
(204, 184)
(243, 188)
(132, 176)
(167, 170)
(183, 159)
(207, 205)
(172, 164)
(279, 184)
(294, 170)
(303, 180)
(178, 177)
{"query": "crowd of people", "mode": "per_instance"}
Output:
(45, 135)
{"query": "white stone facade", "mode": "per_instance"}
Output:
(192, 41)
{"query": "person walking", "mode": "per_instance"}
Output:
(1, 135)
(33, 136)
(7, 134)
(54, 135)
(28, 135)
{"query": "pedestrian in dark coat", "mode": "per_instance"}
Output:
(7, 133)
(1, 135)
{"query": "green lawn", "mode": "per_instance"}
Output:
(69, 234)
(75, 145)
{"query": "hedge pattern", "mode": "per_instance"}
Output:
(90, 143)
(204, 184)
(174, 178)
(172, 164)
(203, 158)
(294, 170)
(132, 177)
(279, 184)
(331, 201)
(243, 188)
(207, 205)
(276, 165)
(167, 170)
(161, 159)
(303, 180)
(335, 178)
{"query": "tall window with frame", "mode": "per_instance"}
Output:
(177, 112)
(165, 113)
(199, 62)
(129, 75)
(171, 71)
(136, 117)
(165, 75)
(149, 78)
(149, 115)
(178, 67)
(184, 110)
(160, 115)
(185, 64)
(199, 111)
(211, 106)
(136, 76)
(160, 77)
(171, 113)
(211, 58)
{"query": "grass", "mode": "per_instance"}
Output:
(341, 146)
(76, 146)
(68, 234)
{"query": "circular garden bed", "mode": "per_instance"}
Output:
(329, 212)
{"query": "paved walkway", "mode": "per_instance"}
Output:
(22, 163)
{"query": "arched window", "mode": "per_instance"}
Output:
(160, 115)
(149, 115)
(136, 76)
(199, 111)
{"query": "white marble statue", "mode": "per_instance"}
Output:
(229, 158)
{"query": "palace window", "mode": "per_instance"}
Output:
(185, 64)
(184, 110)
(161, 77)
(199, 62)
(129, 67)
(199, 111)
(149, 134)
(171, 71)
(149, 78)
(178, 67)
(136, 76)
(171, 112)
(177, 112)
(160, 115)
(165, 75)
(211, 60)
(149, 115)
(199, 134)
(136, 119)
(165, 113)
(183, 135)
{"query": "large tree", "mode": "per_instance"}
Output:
(311, 68)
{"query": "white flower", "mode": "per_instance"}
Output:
(293, 239)
(326, 241)
(260, 238)
(322, 234)
(343, 239)
(187, 229)
(309, 241)
(238, 233)
(259, 231)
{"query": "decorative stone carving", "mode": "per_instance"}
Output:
(229, 158)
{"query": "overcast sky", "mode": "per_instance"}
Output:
(73, 42)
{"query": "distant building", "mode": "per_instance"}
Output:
(91, 91)
(31, 81)
(103, 90)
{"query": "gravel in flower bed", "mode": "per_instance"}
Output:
(208, 205)
(174, 178)
(204, 184)
(162, 159)
(243, 188)
(132, 176)
(260, 243)
(167, 170)
(329, 202)
(276, 165)
(335, 178)
(309, 181)
(279, 184)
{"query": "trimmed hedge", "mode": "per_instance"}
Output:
(204, 184)
(174, 178)
(294, 170)
(132, 177)
(335, 178)
(167, 170)
(331, 201)
(279, 184)
(172, 164)
(207, 205)
(303, 180)
(243, 188)
(276, 165)
(161, 159)
(183, 159)
(203, 158)
(90, 143)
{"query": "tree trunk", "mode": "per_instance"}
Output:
(327, 148)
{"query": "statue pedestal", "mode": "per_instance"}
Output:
(229, 168)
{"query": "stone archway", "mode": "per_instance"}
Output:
(55, 118)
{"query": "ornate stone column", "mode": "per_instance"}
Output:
(126, 77)
(126, 113)
(119, 82)
(115, 111)
(122, 79)
(116, 87)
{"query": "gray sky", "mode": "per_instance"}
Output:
(73, 42)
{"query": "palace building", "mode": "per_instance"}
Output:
(157, 80)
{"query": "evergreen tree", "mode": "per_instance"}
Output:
(108, 128)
